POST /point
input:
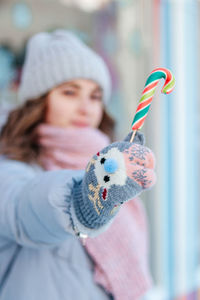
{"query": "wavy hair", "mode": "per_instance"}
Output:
(17, 137)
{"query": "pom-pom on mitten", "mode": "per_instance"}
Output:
(118, 173)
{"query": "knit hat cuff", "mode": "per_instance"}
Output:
(53, 59)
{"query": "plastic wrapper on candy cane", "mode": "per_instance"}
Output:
(148, 93)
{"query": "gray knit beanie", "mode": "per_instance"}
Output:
(54, 58)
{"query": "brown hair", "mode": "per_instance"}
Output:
(17, 138)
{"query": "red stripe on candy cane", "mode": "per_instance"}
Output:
(150, 86)
(144, 104)
(139, 123)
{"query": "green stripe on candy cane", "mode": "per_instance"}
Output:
(140, 114)
(155, 76)
(169, 87)
(147, 95)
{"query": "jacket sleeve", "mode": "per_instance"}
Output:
(36, 208)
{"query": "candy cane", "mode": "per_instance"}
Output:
(148, 93)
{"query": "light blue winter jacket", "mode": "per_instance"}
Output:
(40, 256)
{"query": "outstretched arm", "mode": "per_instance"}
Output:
(36, 207)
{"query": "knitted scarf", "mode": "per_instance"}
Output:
(120, 254)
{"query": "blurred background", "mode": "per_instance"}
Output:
(134, 37)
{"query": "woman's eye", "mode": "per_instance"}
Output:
(69, 93)
(96, 97)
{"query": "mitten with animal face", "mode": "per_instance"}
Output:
(113, 176)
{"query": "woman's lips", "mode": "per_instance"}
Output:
(80, 124)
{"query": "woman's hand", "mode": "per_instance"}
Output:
(118, 173)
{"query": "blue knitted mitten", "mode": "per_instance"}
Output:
(118, 173)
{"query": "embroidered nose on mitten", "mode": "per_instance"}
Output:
(113, 176)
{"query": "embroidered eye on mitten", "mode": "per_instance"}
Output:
(118, 173)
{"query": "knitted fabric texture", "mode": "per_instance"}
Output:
(125, 243)
(121, 254)
(58, 57)
(104, 189)
(62, 148)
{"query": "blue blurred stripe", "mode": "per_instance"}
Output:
(168, 184)
(189, 18)
(191, 73)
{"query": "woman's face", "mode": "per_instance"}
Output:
(76, 103)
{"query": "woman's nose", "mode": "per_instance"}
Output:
(84, 105)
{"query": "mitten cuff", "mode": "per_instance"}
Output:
(78, 204)
(84, 213)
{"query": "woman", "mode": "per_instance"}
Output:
(46, 211)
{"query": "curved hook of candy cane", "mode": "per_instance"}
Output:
(157, 74)
(148, 93)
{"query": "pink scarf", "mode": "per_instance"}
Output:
(120, 254)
